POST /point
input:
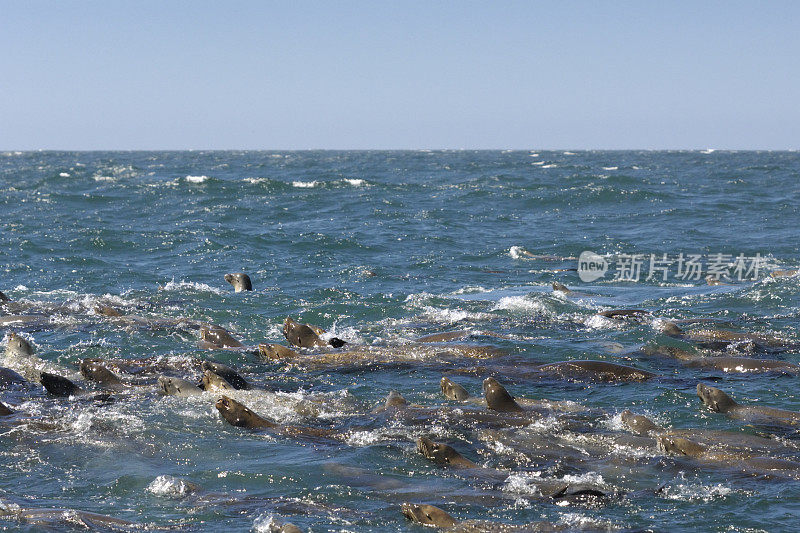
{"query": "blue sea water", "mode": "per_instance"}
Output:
(381, 248)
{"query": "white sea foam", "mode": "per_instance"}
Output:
(552, 165)
(305, 184)
(104, 178)
(355, 182)
(64, 174)
(169, 486)
(610, 168)
(196, 179)
(522, 304)
(255, 181)
(517, 252)
(569, 153)
(191, 286)
(538, 163)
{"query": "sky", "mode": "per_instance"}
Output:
(380, 74)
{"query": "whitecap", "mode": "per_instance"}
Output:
(610, 168)
(355, 182)
(64, 174)
(196, 179)
(305, 184)
(191, 285)
(104, 178)
(517, 252)
(549, 166)
(169, 486)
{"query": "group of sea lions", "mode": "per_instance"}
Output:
(495, 416)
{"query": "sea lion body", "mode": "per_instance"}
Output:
(596, 370)
(428, 515)
(620, 314)
(5, 411)
(10, 378)
(171, 386)
(784, 273)
(453, 391)
(240, 281)
(215, 337)
(498, 398)
(228, 374)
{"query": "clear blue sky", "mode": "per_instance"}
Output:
(380, 74)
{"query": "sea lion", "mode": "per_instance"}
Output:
(443, 454)
(171, 386)
(107, 310)
(215, 337)
(4, 298)
(784, 273)
(240, 416)
(623, 313)
(639, 424)
(70, 519)
(58, 385)
(213, 382)
(596, 370)
(720, 402)
(240, 281)
(18, 346)
(95, 371)
(746, 462)
(498, 398)
(453, 391)
(307, 336)
(719, 338)
(277, 352)
(227, 373)
(9, 377)
(5, 411)
(428, 515)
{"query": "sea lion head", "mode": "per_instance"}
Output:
(18, 345)
(238, 415)
(219, 337)
(276, 351)
(395, 399)
(453, 391)
(106, 310)
(95, 371)
(240, 281)
(437, 452)
(637, 423)
(227, 373)
(4, 298)
(58, 386)
(670, 328)
(714, 398)
(680, 446)
(560, 287)
(300, 334)
(5, 411)
(214, 382)
(428, 515)
(498, 398)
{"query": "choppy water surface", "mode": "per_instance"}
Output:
(381, 248)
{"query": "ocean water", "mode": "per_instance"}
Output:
(381, 248)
